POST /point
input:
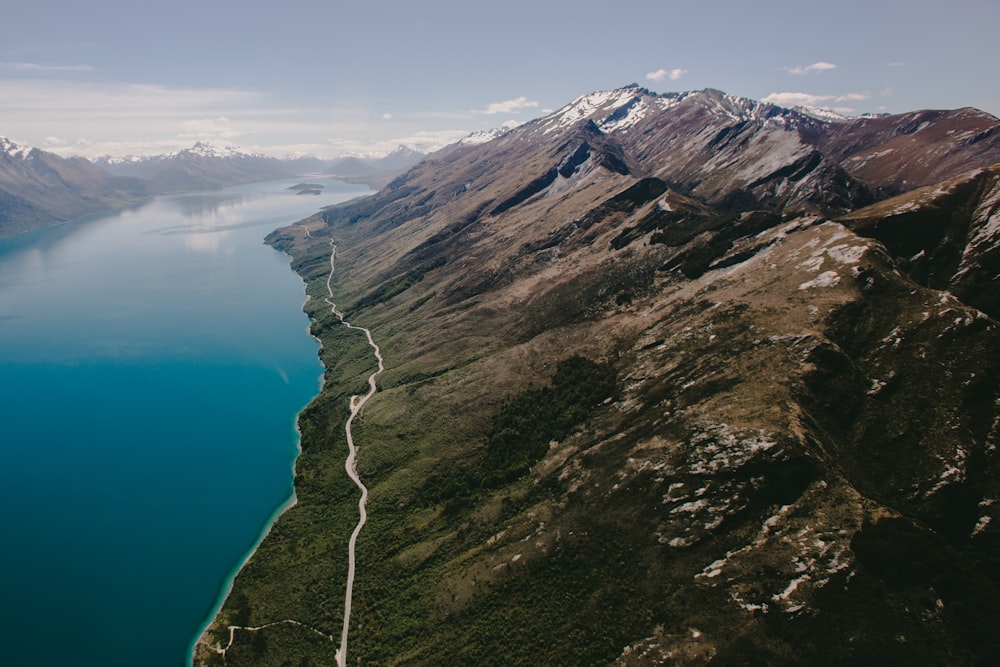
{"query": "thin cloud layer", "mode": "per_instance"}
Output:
(510, 106)
(423, 141)
(791, 99)
(208, 128)
(661, 74)
(152, 119)
(39, 68)
(810, 69)
(114, 118)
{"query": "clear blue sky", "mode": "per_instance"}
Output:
(121, 76)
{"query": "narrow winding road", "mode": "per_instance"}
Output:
(357, 403)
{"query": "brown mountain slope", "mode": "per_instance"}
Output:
(944, 236)
(38, 188)
(915, 149)
(624, 421)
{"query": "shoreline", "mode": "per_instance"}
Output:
(199, 639)
(227, 585)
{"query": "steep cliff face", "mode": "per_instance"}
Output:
(668, 380)
(944, 236)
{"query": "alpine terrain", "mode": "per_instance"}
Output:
(203, 166)
(376, 172)
(38, 188)
(669, 379)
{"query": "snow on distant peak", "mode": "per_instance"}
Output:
(203, 149)
(14, 149)
(483, 136)
(126, 159)
(587, 105)
(820, 113)
(620, 109)
(736, 108)
(626, 115)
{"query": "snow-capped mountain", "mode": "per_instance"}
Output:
(39, 188)
(203, 166)
(676, 379)
(13, 151)
(208, 150)
(483, 136)
(713, 146)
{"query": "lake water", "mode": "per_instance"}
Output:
(152, 362)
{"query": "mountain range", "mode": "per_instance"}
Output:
(670, 379)
(201, 167)
(38, 188)
(376, 172)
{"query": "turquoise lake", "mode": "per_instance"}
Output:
(152, 363)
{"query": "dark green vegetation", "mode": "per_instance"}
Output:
(521, 432)
(645, 403)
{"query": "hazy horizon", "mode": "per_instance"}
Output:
(118, 78)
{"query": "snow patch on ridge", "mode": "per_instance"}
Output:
(483, 136)
(825, 279)
(987, 214)
(207, 150)
(14, 150)
(586, 105)
(635, 112)
(821, 114)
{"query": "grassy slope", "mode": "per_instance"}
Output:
(743, 436)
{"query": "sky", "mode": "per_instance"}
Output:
(329, 78)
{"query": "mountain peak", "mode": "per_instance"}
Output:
(204, 149)
(621, 108)
(820, 113)
(483, 136)
(13, 149)
(790, 405)
(599, 104)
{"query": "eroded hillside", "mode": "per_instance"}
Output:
(658, 390)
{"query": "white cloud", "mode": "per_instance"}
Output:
(852, 97)
(661, 74)
(810, 69)
(40, 68)
(104, 100)
(208, 128)
(510, 106)
(113, 118)
(810, 100)
(95, 118)
(424, 141)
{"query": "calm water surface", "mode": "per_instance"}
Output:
(152, 362)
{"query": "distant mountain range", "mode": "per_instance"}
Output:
(670, 379)
(377, 172)
(39, 188)
(200, 167)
